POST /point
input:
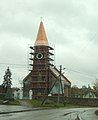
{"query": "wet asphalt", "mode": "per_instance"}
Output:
(49, 114)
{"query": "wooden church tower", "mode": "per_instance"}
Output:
(43, 74)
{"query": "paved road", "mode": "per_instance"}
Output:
(6, 108)
(51, 114)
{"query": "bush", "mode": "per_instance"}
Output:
(96, 112)
(2, 96)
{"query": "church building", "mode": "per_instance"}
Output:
(44, 78)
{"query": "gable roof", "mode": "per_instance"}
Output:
(56, 72)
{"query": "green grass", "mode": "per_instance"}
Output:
(48, 103)
(37, 103)
(96, 112)
(13, 102)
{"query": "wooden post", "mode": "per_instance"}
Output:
(60, 85)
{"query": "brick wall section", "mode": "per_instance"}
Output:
(74, 101)
(83, 101)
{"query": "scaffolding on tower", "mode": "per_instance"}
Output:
(40, 70)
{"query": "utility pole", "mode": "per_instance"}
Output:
(59, 84)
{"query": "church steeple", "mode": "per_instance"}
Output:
(43, 76)
(41, 36)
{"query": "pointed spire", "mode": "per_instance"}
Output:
(41, 36)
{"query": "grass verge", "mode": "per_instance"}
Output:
(37, 103)
(14, 102)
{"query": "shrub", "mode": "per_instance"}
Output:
(96, 112)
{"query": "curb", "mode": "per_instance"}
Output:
(34, 109)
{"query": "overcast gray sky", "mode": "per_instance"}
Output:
(71, 26)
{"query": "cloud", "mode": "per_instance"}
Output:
(71, 25)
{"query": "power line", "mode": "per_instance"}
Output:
(79, 72)
(11, 64)
(25, 66)
(85, 74)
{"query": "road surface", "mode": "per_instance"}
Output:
(51, 114)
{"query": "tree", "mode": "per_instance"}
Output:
(84, 87)
(75, 86)
(75, 91)
(95, 87)
(7, 83)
